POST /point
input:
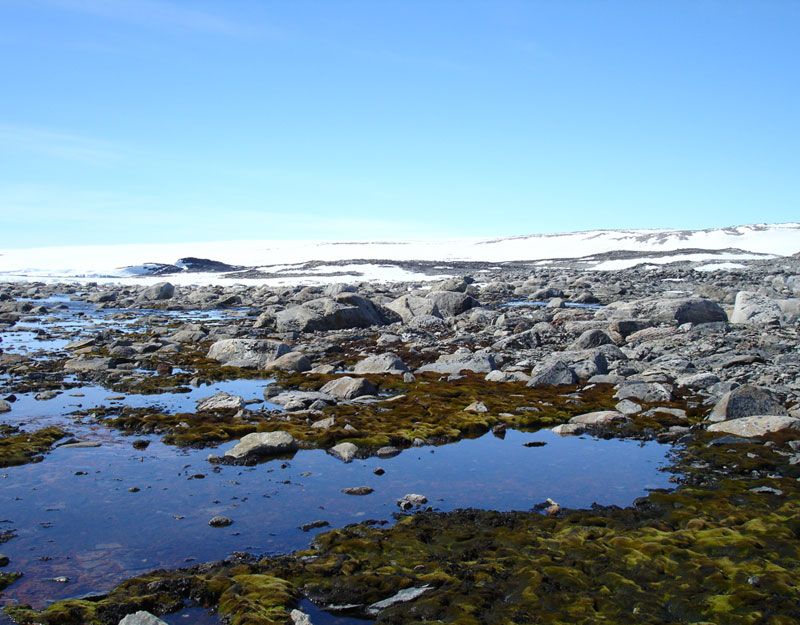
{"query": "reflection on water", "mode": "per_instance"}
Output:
(76, 514)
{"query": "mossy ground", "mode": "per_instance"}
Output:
(428, 408)
(18, 447)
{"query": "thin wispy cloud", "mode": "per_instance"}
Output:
(155, 13)
(57, 144)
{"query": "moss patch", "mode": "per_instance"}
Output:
(18, 447)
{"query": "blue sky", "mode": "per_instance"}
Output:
(156, 121)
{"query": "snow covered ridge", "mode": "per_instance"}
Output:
(293, 262)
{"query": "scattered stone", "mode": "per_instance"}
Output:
(477, 407)
(358, 490)
(407, 502)
(220, 521)
(307, 527)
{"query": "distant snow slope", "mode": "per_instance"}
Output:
(121, 262)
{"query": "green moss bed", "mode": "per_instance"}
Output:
(18, 447)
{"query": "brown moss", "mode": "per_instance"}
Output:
(18, 447)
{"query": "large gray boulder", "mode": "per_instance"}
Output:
(4, 406)
(461, 360)
(247, 353)
(665, 310)
(754, 308)
(262, 445)
(746, 401)
(451, 303)
(651, 392)
(410, 306)
(381, 363)
(756, 425)
(349, 388)
(295, 362)
(160, 291)
(591, 338)
(552, 372)
(344, 311)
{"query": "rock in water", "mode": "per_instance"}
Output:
(262, 445)
(344, 451)
(141, 618)
(300, 618)
(220, 401)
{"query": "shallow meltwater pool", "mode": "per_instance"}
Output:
(97, 516)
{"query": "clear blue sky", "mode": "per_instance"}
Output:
(157, 120)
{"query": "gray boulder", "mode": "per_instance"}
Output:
(756, 425)
(601, 417)
(220, 401)
(87, 365)
(293, 361)
(247, 353)
(746, 401)
(381, 363)
(262, 445)
(461, 360)
(410, 306)
(650, 392)
(591, 338)
(344, 311)
(4, 406)
(552, 372)
(160, 291)
(450, 303)
(344, 451)
(349, 388)
(756, 309)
